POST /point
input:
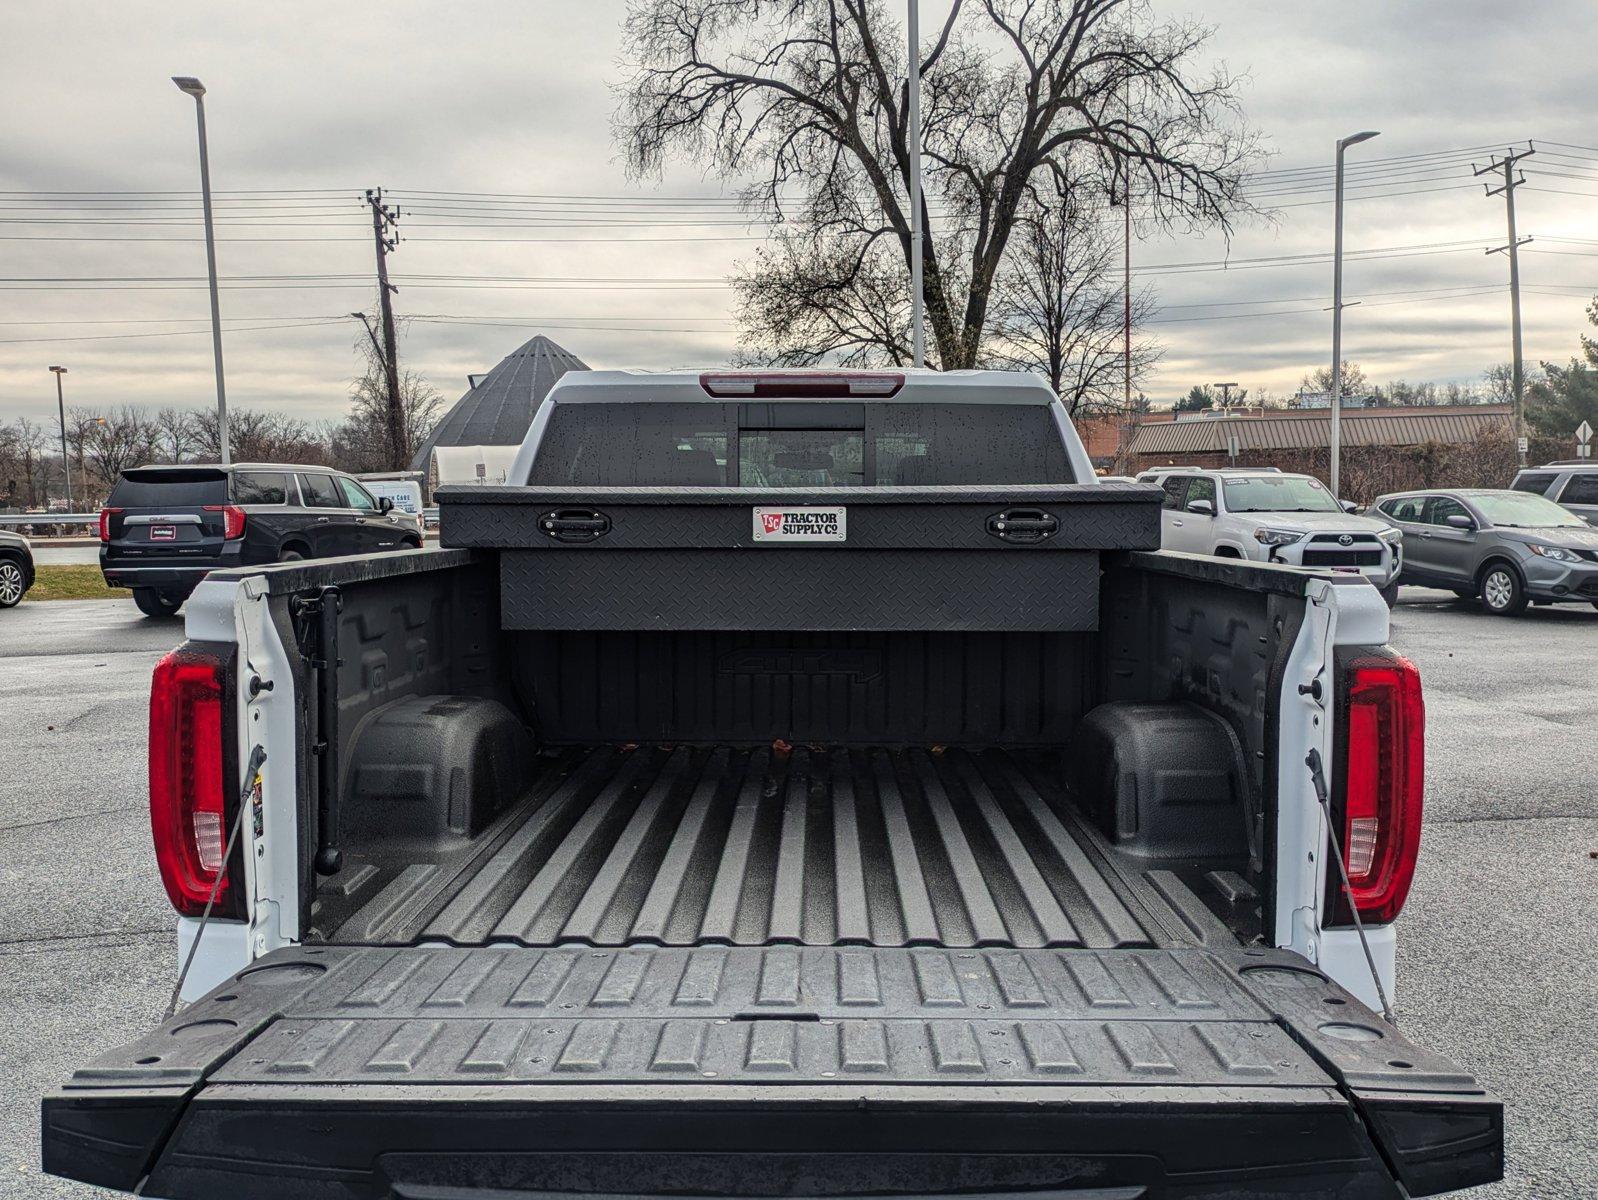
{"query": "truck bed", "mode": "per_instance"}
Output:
(806, 845)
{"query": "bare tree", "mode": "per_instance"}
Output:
(809, 95)
(11, 480)
(1320, 379)
(804, 302)
(176, 433)
(31, 445)
(113, 442)
(83, 425)
(361, 442)
(255, 435)
(1060, 309)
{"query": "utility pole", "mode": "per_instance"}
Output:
(385, 220)
(917, 316)
(1513, 178)
(1226, 393)
(61, 408)
(191, 86)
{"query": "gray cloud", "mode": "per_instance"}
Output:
(514, 97)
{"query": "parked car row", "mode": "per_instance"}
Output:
(1507, 547)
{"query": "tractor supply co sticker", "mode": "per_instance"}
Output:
(812, 524)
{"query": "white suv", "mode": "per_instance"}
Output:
(1270, 516)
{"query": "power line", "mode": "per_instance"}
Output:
(113, 337)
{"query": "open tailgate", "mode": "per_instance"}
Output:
(440, 1073)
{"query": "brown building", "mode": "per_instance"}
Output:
(1106, 436)
(1253, 438)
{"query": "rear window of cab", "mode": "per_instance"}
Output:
(799, 445)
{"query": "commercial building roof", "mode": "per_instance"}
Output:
(1311, 429)
(499, 406)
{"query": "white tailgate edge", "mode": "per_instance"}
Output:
(1336, 615)
(238, 613)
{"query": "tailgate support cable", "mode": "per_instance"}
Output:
(1318, 777)
(251, 775)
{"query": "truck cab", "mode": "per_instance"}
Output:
(786, 784)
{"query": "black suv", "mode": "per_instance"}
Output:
(163, 528)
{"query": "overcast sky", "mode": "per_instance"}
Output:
(315, 102)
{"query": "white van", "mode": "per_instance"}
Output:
(406, 495)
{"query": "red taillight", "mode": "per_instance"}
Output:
(105, 523)
(802, 385)
(1383, 778)
(232, 519)
(188, 784)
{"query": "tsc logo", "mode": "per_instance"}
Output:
(772, 521)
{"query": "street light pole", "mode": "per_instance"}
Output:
(917, 318)
(1337, 310)
(61, 409)
(193, 87)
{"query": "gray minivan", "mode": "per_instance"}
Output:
(1506, 547)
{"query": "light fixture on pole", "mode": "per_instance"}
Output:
(1337, 309)
(193, 87)
(917, 317)
(61, 408)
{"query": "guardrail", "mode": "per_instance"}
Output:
(14, 519)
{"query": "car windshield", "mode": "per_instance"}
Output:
(1278, 493)
(1521, 510)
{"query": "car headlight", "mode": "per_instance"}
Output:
(1276, 537)
(1554, 552)
(1395, 536)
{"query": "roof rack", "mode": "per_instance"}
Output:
(1214, 470)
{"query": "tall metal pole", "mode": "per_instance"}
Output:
(1126, 301)
(1126, 276)
(917, 318)
(1337, 313)
(195, 88)
(61, 408)
(1518, 378)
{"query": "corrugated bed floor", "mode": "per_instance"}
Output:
(690, 846)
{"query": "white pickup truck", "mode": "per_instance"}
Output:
(790, 784)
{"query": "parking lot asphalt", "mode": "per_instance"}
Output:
(1498, 947)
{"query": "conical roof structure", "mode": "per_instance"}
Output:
(499, 406)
